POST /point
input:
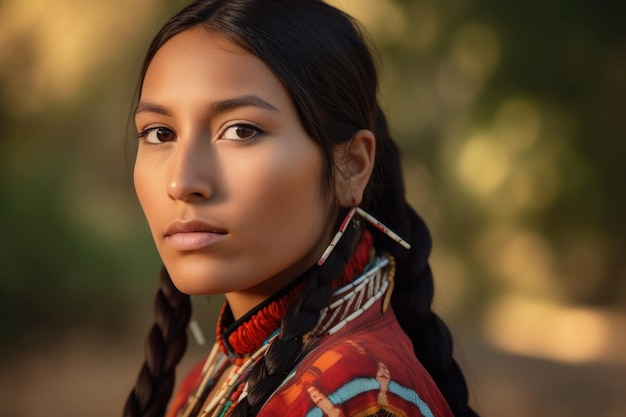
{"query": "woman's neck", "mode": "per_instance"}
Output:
(241, 302)
(242, 331)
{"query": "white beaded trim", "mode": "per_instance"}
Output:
(354, 299)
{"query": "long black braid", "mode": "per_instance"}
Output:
(165, 345)
(413, 296)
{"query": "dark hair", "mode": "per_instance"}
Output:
(322, 59)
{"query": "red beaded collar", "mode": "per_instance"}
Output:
(244, 336)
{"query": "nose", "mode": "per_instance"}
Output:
(190, 178)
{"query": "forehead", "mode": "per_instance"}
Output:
(204, 65)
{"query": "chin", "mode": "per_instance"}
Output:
(195, 284)
(193, 279)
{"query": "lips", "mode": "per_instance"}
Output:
(192, 226)
(193, 235)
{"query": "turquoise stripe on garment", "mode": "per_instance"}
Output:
(352, 389)
(412, 397)
(361, 385)
(315, 412)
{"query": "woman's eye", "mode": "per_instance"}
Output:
(157, 135)
(240, 132)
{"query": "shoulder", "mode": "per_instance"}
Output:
(366, 370)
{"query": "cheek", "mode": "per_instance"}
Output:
(141, 182)
(284, 194)
(146, 183)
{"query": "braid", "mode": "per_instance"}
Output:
(412, 298)
(165, 345)
(288, 348)
(431, 338)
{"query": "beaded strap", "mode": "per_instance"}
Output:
(353, 299)
(218, 403)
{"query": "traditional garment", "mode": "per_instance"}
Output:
(366, 369)
(357, 367)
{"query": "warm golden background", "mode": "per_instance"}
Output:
(513, 119)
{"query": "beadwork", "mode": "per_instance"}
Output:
(353, 299)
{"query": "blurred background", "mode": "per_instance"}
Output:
(512, 116)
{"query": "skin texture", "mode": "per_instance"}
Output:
(221, 145)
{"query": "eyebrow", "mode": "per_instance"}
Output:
(151, 108)
(217, 107)
(243, 101)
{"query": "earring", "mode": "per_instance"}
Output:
(381, 227)
(340, 232)
(196, 332)
(370, 219)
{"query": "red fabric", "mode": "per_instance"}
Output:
(348, 369)
(191, 381)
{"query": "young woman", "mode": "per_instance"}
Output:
(266, 172)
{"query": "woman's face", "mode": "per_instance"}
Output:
(229, 181)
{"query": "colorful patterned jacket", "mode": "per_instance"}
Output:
(366, 369)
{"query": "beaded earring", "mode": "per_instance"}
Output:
(370, 219)
(381, 227)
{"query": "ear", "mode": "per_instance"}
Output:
(355, 162)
